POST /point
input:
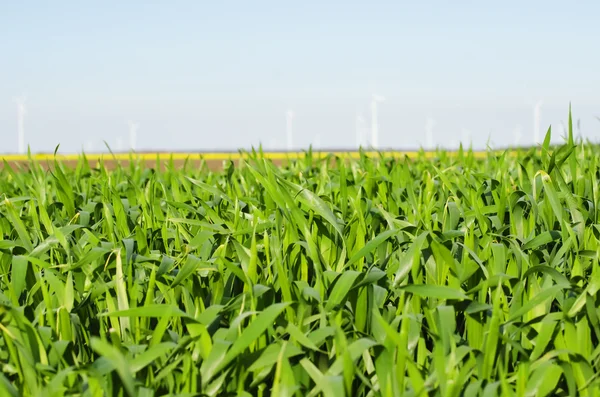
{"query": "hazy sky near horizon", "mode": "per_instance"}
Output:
(202, 75)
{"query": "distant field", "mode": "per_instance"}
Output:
(215, 160)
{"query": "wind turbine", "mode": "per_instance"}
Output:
(429, 124)
(21, 123)
(133, 127)
(289, 132)
(537, 115)
(374, 121)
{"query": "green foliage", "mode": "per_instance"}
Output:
(444, 275)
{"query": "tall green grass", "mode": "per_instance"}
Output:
(377, 277)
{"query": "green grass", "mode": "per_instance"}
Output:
(451, 276)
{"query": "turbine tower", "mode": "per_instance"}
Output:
(374, 122)
(133, 127)
(21, 124)
(289, 132)
(429, 124)
(537, 115)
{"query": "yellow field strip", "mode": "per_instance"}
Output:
(161, 156)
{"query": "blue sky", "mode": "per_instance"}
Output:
(221, 75)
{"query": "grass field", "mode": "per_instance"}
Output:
(447, 274)
(223, 155)
(211, 160)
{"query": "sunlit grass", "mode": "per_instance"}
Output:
(440, 275)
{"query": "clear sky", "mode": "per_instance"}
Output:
(222, 74)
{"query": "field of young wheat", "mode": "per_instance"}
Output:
(438, 275)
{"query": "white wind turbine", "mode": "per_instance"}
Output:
(429, 124)
(374, 122)
(289, 115)
(133, 127)
(537, 115)
(21, 123)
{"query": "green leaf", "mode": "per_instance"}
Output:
(372, 245)
(264, 320)
(153, 310)
(19, 273)
(150, 355)
(117, 361)
(434, 291)
(548, 293)
(272, 353)
(539, 240)
(340, 290)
